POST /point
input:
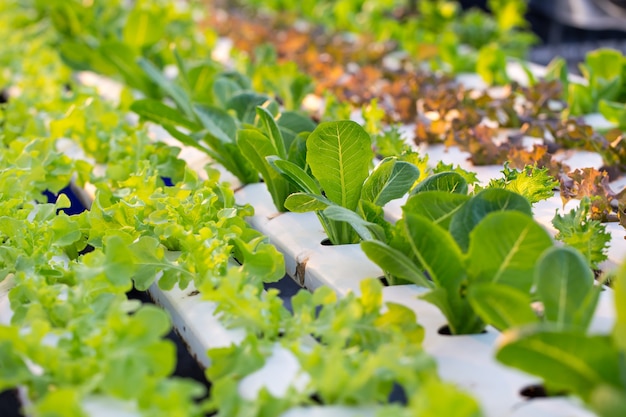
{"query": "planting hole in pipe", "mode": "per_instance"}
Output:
(326, 242)
(534, 391)
(383, 280)
(398, 394)
(445, 331)
(539, 391)
(316, 399)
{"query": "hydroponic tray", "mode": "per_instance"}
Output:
(465, 360)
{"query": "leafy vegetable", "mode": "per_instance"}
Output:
(534, 183)
(478, 252)
(263, 147)
(565, 286)
(603, 70)
(483, 203)
(502, 306)
(560, 352)
(578, 230)
(567, 360)
(504, 248)
(339, 154)
(357, 323)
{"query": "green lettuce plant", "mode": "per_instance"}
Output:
(571, 360)
(383, 340)
(532, 182)
(346, 197)
(449, 242)
(563, 284)
(604, 71)
(213, 128)
(260, 145)
(578, 230)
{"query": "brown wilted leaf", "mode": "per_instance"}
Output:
(424, 134)
(519, 158)
(589, 182)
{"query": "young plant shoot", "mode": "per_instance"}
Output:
(347, 198)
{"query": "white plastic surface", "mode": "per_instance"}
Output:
(298, 237)
(280, 372)
(195, 320)
(100, 406)
(469, 361)
(331, 411)
(5, 306)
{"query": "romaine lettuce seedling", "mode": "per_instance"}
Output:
(568, 359)
(450, 243)
(347, 198)
(563, 284)
(605, 73)
(213, 128)
(257, 145)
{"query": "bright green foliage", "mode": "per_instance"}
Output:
(605, 90)
(579, 231)
(256, 147)
(469, 176)
(107, 37)
(480, 205)
(263, 146)
(283, 80)
(560, 351)
(567, 359)
(398, 266)
(73, 333)
(339, 155)
(195, 217)
(438, 206)
(500, 305)
(390, 143)
(449, 182)
(491, 65)
(474, 253)
(215, 129)
(565, 286)
(94, 123)
(29, 166)
(533, 183)
(350, 366)
(504, 247)
(614, 112)
(436, 398)
(374, 117)
(346, 197)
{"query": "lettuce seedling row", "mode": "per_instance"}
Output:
(310, 265)
(343, 269)
(466, 360)
(314, 265)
